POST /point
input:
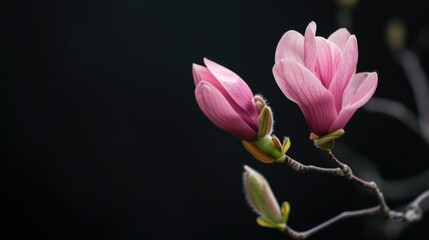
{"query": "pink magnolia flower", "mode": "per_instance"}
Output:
(226, 100)
(320, 76)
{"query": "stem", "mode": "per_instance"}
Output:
(421, 198)
(395, 190)
(371, 186)
(344, 215)
(413, 212)
(297, 166)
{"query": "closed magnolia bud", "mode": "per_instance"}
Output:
(226, 99)
(262, 200)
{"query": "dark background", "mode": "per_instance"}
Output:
(101, 137)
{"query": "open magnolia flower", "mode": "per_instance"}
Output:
(320, 76)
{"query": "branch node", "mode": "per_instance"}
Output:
(347, 171)
(413, 213)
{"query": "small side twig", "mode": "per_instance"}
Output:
(371, 186)
(411, 214)
(414, 210)
(395, 190)
(344, 215)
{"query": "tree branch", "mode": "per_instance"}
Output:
(344, 215)
(397, 190)
(297, 166)
(371, 186)
(412, 213)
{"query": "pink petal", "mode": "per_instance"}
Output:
(303, 88)
(310, 46)
(361, 88)
(201, 73)
(328, 58)
(346, 69)
(219, 111)
(291, 45)
(235, 87)
(357, 93)
(340, 38)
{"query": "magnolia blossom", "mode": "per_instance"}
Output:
(226, 100)
(320, 76)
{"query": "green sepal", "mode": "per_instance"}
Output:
(268, 224)
(325, 146)
(265, 122)
(285, 209)
(286, 145)
(267, 146)
(327, 142)
(258, 153)
(265, 223)
(268, 149)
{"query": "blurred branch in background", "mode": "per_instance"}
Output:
(396, 110)
(403, 189)
(344, 15)
(410, 63)
(419, 83)
(396, 190)
(408, 60)
(393, 229)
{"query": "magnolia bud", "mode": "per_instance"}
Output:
(262, 200)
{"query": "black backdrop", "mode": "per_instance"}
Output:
(101, 137)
